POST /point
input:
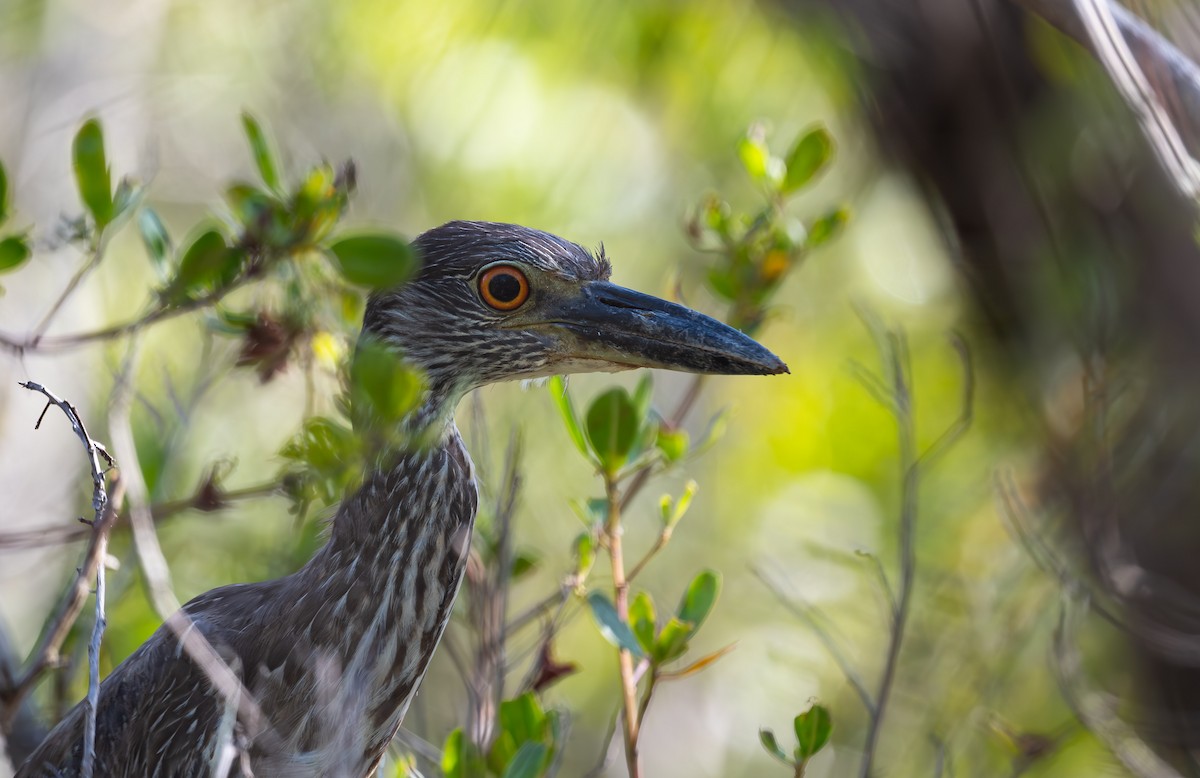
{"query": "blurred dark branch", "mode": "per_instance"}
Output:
(25, 731)
(1092, 710)
(105, 507)
(489, 591)
(208, 498)
(1172, 79)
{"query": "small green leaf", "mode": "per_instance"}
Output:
(585, 553)
(612, 428)
(524, 561)
(382, 387)
(672, 443)
(14, 251)
(756, 157)
(460, 757)
(3, 194)
(92, 175)
(528, 761)
(127, 196)
(827, 227)
(562, 400)
(685, 502)
(523, 718)
(208, 263)
(157, 242)
(699, 598)
(612, 628)
(264, 160)
(643, 394)
(767, 738)
(672, 641)
(250, 204)
(813, 728)
(808, 157)
(376, 261)
(642, 621)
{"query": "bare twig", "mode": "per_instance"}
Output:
(105, 509)
(489, 604)
(200, 500)
(160, 312)
(804, 613)
(95, 255)
(154, 565)
(892, 346)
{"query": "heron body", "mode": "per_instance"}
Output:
(334, 653)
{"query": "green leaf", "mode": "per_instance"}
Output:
(612, 628)
(699, 598)
(767, 738)
(382, 387)
(672, 444)
(566, 409)
(522, 718)
(808, 157)
(813, 728)
(642, 621)
(612, 428)
(643, 394)
(157, 242)
(756, 157)
(376, 261)
(827, 227)
(92, 175)
(528, 761)
(250, 204)
(460, 757)
(585, 553)
(685, 502)
(14, 251)
(264, 160)
(3, 194)
(208, 263)
(524, 561)
(672, 641)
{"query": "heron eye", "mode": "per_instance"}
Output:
(504, 287)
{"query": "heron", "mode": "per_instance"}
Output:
(334, 653)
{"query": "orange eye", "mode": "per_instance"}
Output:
(504, 287)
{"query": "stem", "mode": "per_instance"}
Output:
(95, 254)
(910, 472)
(612, 531)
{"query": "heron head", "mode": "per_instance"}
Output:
(495, 302)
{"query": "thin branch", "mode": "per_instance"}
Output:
(966, 413)
(95, 255)
(660, 543)
(201, 500)
(612, 531)
(104, 513)
(1090, 708)
(154, 566)
(831, 647)
(161, 312)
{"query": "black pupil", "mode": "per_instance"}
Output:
(504, 287)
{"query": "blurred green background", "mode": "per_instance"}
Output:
(601, 123)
